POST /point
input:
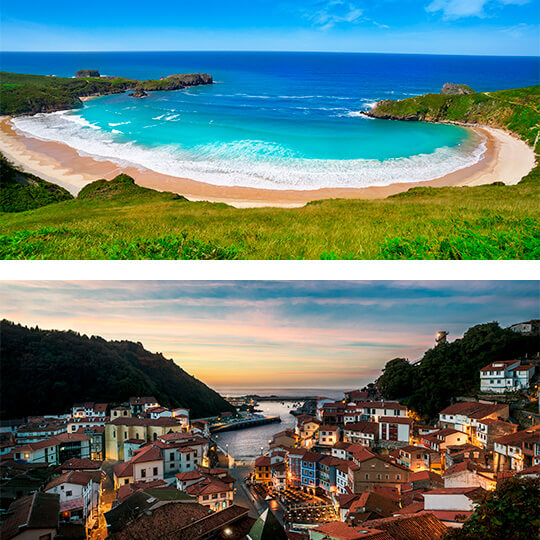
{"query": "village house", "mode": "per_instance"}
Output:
(96, 434)
(364, 433)
(287, 438)
(140, 405)
(182, 452)
(356, 396)
(452, 505)
(200, 427)
(74, 424)
(468, 473)
(279, 475)
(397, 429)
(54, 450)
(123, 428)
(146, 465)
(32, 517)
(328, 473)
(374, 410)
(213, 488)
(159, 412)
(415, 458)
(489, 429)
(328, 435)
(32, 432)
(463, 415)
(333, 413)
(79, 493)
(439, 440)
(376, 470)
(456, 453)
(262, 473)
(516, 451)
(309, 473)
(342, 478)
(295, 466)
(506, 376)
(307, 426)
(527, 327)
(89, 410)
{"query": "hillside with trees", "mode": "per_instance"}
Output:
(46, 371)
(451, 369)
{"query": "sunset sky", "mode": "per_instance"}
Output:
(252, 334)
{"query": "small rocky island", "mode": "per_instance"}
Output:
(83, 73)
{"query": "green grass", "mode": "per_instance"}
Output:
(516, 110)
(118, 219)
(30, 94)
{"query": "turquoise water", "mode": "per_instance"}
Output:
(288, 122)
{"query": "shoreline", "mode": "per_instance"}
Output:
(506, 159)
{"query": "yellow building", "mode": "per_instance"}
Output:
(146, 429)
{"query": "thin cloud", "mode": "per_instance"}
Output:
(457, 9)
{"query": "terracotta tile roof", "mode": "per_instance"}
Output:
(328, 428)
(36, 511)
(146, 454)
(396, 420)
(412, 508)
(473, 409)
(391, 493)
(80, 478)
(207, 486)
(311, 457)
(474, 493)
(122, 470)
(466, 465)
(362, 427)
(426, 475)
(280, 466)
(125, 491)
(519, 436)
(409, 449)
(535, 469)
(494, 367)
(188, 475)
(523, 367)
(374, 502)
(159, 422)
(418, 527)
(342, 531)
(263, 461)
(458, 516)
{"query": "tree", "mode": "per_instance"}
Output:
(510, 512)
(396, 380)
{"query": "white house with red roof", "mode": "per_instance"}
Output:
(440, 440)
(89, 410)
(54, 450)
(516, 451)
(452, 505)
(364, 432)
(79, 493)
(146, 465)
(395, 428)
(140, 405)
(328, 435)
(211, 487)
(506, 376)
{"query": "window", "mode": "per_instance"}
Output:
(126, 481)
(378, 477)
(398, 476)
(387, 477)
(143, 473)
(69, 493)
(114, 434)
(367, 476)
(155, 471)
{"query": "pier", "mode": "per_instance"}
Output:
(244, 423)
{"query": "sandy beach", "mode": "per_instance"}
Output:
(506, 159)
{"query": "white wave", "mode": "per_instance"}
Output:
(158, 117)
(116, 131)
(114, 124)
(252, 163)
(172, 117)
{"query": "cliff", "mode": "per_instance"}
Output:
(516, 110)
(31, 94)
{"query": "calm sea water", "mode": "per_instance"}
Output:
(272, 120)
(245, 444)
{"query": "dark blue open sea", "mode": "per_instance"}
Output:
(272, 120)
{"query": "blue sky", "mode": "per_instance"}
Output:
(273, 334)
(506, 27)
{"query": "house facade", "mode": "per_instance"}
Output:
(506, 376)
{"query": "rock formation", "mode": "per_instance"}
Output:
(82, 73)
(452, 89)
(139, 93)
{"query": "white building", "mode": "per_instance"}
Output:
(79, 493)
(395, 429)
(328, 435)
(505, 376)
(365, 433)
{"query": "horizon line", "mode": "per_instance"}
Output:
(266, 51)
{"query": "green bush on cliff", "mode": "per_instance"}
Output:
(20, 191)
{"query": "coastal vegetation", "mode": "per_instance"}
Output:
(21, 191)
(118, 219)
(516, 110)
(31, 94)
(61, 367)
(509, 512)
(451, 369)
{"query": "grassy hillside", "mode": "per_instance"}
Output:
(120, 220)
(516, 110)
(61, 368)
(20, 191)
(30, 94)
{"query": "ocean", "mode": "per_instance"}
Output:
(272, 120)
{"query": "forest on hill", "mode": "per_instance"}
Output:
(46, 371)
(452, 369)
